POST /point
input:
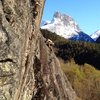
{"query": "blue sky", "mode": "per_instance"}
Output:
(85, 12)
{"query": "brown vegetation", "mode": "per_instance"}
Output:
(85, 80)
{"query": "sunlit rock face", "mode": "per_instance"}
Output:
(29, 70)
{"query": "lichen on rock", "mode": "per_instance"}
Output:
(29, 70)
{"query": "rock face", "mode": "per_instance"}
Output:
(28, 69)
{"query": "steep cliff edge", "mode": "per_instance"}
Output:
(28, 69)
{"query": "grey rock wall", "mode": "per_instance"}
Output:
(28, 69)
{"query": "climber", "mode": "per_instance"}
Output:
(49, 43)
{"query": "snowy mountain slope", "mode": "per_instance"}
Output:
(44, 23)
(65, 26)
(95, 35)
(83, 37)
(62, 25)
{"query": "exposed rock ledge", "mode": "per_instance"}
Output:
(28, 69)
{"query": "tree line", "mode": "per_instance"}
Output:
(81, 52)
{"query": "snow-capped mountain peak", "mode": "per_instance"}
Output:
(95, 35)
(65, 26)
(62, 25)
